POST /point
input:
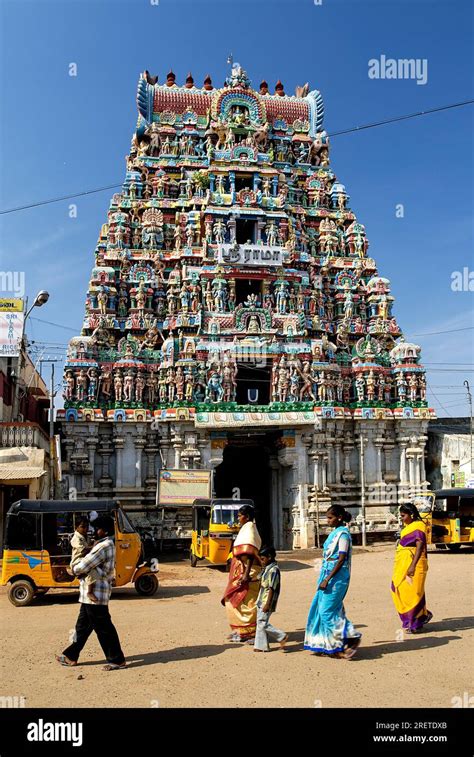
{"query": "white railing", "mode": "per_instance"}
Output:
(23, 435)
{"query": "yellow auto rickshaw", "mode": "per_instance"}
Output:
(450, 519)
(215, 527)
(37, 549)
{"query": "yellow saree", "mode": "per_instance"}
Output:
(409, 593)
(241, 602)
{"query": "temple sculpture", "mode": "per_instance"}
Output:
(234, 305)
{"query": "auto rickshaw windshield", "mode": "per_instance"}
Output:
(224, 514)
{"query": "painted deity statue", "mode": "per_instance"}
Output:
(118, 386)
(214, 390)
(140, 384)
(128, 383)
(69, 385)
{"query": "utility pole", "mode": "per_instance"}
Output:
(51, 435)
(362, 489)
(469, 399)
(52, 395)
(41, 299)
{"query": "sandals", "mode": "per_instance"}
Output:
(349, 653)
(64, 661)
(113, 666)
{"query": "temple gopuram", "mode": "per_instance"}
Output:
(235, 321)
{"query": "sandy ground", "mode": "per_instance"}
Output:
(176, 644)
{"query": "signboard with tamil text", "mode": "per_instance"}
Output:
(182, 487)
(11, 326)
(251, 254)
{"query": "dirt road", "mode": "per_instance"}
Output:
(176, 644)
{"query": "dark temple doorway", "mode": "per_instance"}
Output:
(245, 473)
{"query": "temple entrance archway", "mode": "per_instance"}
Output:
(246, 473)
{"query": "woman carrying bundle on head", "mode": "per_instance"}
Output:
(240, 596)
(409, 572)
(328, 631)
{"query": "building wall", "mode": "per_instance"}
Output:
(449, 451)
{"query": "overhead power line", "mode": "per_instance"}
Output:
(401, 118)
(59, 199)
(59, 325)
(333, 134)
(449, 331)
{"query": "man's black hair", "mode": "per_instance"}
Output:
(105, 523)
(82, 521)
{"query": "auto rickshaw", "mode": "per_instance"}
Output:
(37, 549)
(215, 527)
(450, 518)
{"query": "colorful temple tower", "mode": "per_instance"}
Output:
(235, 321)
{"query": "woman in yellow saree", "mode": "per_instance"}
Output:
(410, 569)
(240, 596)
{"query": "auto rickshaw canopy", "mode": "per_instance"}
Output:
(62, 506)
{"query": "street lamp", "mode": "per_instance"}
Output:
(41, 298)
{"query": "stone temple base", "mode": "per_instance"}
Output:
(293, 470)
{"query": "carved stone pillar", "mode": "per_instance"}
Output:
(105, 451)
(151, 451)
(139, 447)
(316, 478)
(348, 475)
(177, 442)
(403, 461)
(260, 228)
(337, 448)
(91, 442)
(324, 464)
(378, 449)
(119, 442)
(330, 462)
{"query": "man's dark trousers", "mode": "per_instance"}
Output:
(96, 618)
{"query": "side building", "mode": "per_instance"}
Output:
(24, 441)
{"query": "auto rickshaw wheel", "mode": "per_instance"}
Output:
(193, 559)
(146, 584)
(21, 593)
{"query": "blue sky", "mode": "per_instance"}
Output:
(63, 134)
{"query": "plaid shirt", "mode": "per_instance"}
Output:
(102, 558)
(270, 579)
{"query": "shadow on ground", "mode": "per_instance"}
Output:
(287, 565)
(126, 593)
(164, 656)
(382, 648)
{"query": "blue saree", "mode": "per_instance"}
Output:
(328, 631)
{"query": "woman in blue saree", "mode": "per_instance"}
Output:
(328, 631)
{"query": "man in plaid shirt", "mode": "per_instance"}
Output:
(95, 616)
